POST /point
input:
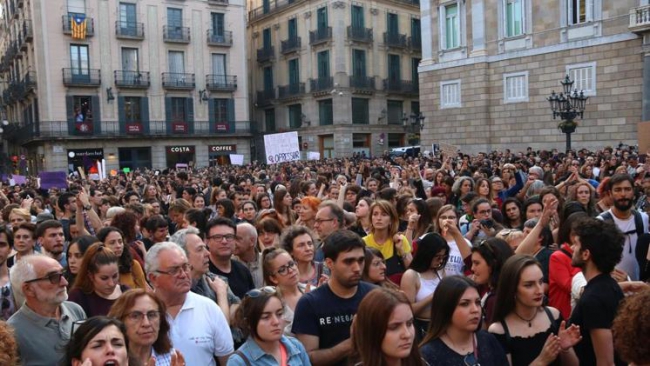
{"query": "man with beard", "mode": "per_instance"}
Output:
(43, 325)
(597, 247)
(198, 328)
(323, 316)
(52, 239)
(631, 223)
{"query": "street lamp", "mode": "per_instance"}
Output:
(567, 105)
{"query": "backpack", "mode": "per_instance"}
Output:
(638, 223)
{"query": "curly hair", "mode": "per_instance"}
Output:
(631, 327)
(8, 346)
(126, 222)
(603, 239)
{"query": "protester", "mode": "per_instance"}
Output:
(281, 271)
(374, 269)
(261, 317)
(455, 336)
(131, 273)
(631, 327)
(99, 340)
(147, 328)
(298, 241)
(39, 280)
(383, 331)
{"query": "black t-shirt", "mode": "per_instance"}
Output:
(489, 352)
(240, 279)
(323, 314)
(596, 309)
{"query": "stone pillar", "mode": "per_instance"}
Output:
(645, 105)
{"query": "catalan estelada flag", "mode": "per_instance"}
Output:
(78, 26)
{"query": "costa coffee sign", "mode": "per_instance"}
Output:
(180, 149)
(223, 148)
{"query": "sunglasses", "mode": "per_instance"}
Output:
(54, 278)
(255, 293)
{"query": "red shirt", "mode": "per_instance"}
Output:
(560, 274)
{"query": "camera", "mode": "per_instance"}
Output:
(488, 223)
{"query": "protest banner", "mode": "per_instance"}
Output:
(281, 147)
(53, 180)
(313, 155)
(236, 159)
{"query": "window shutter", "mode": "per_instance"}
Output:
(97, 116)
(211, 115)
(231, 115)
(121, 112)
(189, 114)
(168, 115)
(144, 114)
(69, 103)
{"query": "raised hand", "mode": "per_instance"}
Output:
(551, 350)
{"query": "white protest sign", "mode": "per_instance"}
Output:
(312, 155)
(236, 159)
(281, 147)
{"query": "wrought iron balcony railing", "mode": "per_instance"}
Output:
(177, 80)
(129, 30)
(219, 38)
(82, 77)
(225, 83)
(176, 34)
(132, 79)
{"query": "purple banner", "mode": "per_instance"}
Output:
(53, 180)
(19, 179)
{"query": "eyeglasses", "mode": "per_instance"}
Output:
(174, 271)
(219, 237)
(138, 316)
(54, 278)
(470, 360)
(320, 221)
(283, 270)
(255, 293)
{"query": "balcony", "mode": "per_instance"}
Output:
(30, 81)
(132, 79)
(404, 87)
(415, 43)
(265, 97)
(216, 39)
(265, 54)
(176, 34)
(395, 40)
(290, 45)
(291, 91)
(66, 21)
(221, 83)
(175, 80)
(129, 30)
(640, 19)
(320, 36)
(64, 130)
(28, 31)
(82, 77)
(359, 34)
(217, 2)
(321, 84)
(362, 83)
(273, 6)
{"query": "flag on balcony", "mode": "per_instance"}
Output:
(78, 26)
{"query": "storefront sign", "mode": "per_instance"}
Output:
(180, 149)
(222, 148)
(91, 153)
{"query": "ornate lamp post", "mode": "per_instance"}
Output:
(567, 106)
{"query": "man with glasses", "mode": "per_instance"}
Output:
(323, 316)
(220, 239)
(205, 283)
(198, 328)
(43, 325)
(329, 218)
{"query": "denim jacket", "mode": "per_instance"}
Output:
(296, 354)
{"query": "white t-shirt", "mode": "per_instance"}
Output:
(200, 331)
(455, 263)
(629, 263)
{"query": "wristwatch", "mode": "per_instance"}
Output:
(87, 207)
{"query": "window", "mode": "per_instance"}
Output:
(416, 33)
(450, 26)
(221, 110)
(395, 112)
(514, 18)
(360, 111)
(295, 115)
(294, 74)
(176, 62)
(580, 11)
(392, 25)
(325, 112)
(132, 109)
(83, 109)
(178, 109)
(415, 107)
(584, 77)
(218, 26)
(515, 87)
(359, 63)
(394, 68)
(292, 29)
(219, 69)
(128, 19)
(321, 20)
(450, 94)
(266, 38)
(174, 23)
(358, 21)
(268, 78)
(269, 120)
(79, 60)
(323, 64)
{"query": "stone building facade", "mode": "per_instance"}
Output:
(488, 66)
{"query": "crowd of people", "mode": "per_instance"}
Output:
(529, 258)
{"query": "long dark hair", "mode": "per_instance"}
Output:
(83, 243)
(506, 219)
(495, 252)
(444, 303)
(126, 259)
(428, 247)
(85, 333)
(371, 323)
(508, 283)
(250, 311)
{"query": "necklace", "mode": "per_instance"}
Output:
(462, 350)
(529, 321)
